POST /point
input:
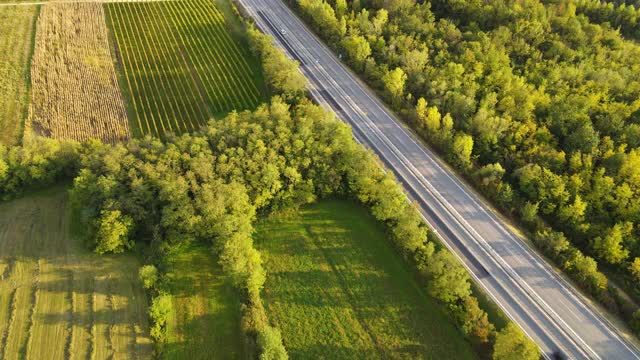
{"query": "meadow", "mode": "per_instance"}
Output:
(17, 26)
(337, 289)
(181, 65)
(75, 92)
(57, 299)
(205, 323)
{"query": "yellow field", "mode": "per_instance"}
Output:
(16, 26)
(75, 93)
(58, 300)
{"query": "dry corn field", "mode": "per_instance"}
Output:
(75, 93)
(57, 299)
(17, 25)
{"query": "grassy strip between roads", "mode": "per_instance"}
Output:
(337, 289)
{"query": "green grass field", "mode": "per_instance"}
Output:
(181, 64)
(57, 299)
(206, 319)
(337, 290)
(17, 24)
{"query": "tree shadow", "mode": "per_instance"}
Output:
(218, 341)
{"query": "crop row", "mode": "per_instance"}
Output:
(180, 64)
(74, 83)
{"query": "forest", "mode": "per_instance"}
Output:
(534, 102)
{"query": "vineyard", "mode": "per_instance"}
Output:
(17, 27)
(181, 65)
(75, 93)
(57, 299)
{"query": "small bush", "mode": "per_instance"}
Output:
(148, 274)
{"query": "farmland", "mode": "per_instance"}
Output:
(75, 93)
(336, 287)
(181, 66)
(57, 300)
(17, 24)
(205, 323)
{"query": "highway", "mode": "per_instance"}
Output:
(546, 307)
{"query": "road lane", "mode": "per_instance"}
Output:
(548, 309)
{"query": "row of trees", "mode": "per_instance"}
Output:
(42, 163)
(533, 102)
(209, 186)
(281, 73)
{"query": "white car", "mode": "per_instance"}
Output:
(283, 31)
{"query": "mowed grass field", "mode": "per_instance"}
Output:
(75, 92)
(57, 299)
(205, 323)
(337, 290)
(181, 64)
(17, 28)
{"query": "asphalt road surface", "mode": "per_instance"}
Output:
(547, 308)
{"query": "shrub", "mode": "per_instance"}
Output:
(159, 311)
(270, 342)
(112, 234)
(148, 274)
(512, 344)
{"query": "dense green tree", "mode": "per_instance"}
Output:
(341, 8)
(357, 49)
(324, 16)
(475, 321)
(394, 82)
(610, 247)
(512, 344)
(282, 74)
(462, 149)
(543, 186)
(270, 340)
(553, 243)
(41, 163)
(159, 312)
(447, 278)
(585, 271)
(148, 274)
(529, 212)
(630, 169)
(112, 232)
(634, 268)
